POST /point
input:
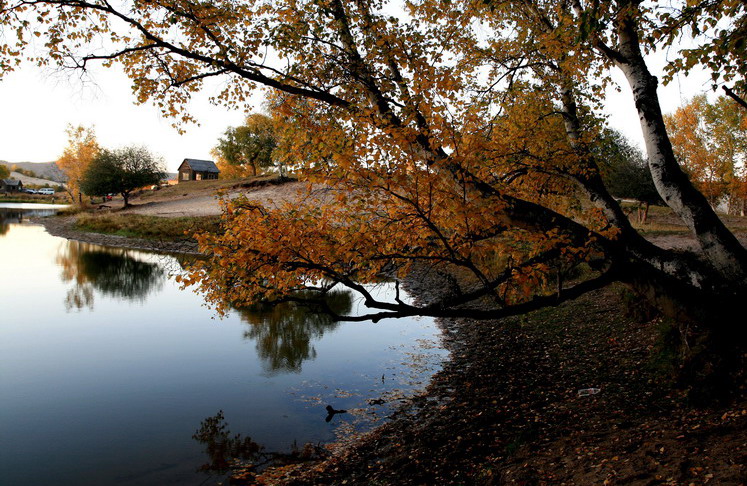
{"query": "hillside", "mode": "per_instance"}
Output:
(43, 170)
(35, 181)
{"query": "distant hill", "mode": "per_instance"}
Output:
(34, 181)
(43, 170)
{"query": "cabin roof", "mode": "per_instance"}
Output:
(198, 165)
(11, 182)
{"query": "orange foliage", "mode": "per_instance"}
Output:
(460, 138)
(710, 140)
(81, 149)
(390, 209)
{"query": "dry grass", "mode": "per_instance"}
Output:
(57, 198)
(149, 227)
(191, 189)
(663, 221)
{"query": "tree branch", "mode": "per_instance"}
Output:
(156, 41)
(436, 310)
(735, 97)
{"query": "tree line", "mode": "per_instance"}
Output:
(96, 171)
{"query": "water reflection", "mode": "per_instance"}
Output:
(112, 396)
(17, 213)
(283, 333)
(223, 450)
(240, 457)
(10, 216)
(111, 271)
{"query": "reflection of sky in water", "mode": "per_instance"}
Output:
(113, 391)
(32, 207)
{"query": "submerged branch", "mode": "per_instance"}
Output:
(452, 309)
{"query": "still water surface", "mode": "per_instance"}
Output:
(108, 368)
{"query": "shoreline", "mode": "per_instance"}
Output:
(422, 288)
(13, 200)
(506, 409)
(62, 226)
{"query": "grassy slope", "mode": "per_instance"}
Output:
(663, 221)
(148, 227)
(165, 228)
(203, 188)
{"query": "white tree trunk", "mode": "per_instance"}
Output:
(718, 244)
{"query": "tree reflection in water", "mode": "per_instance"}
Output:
(240, 457)
(112, 271)
(10, 216)
(4, 226)
(222, 449)
(283, 333)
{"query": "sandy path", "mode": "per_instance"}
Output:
(209, 205)
(197, 206)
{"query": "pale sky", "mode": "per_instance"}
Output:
(38, 105)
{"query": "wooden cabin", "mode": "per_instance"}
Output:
(197, 170)
(11, 185)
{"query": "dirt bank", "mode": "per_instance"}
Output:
(186, 200)
(506, 409)
(191, 199)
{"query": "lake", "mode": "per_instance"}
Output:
(108, 369)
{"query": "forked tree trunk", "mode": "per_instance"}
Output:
(702, 313)
(717, 243)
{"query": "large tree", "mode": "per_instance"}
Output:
(121, 171)
(4, 171)
(81, 149)
(460, 136)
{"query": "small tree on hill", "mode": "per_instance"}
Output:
(122, 171)
(249, 146)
